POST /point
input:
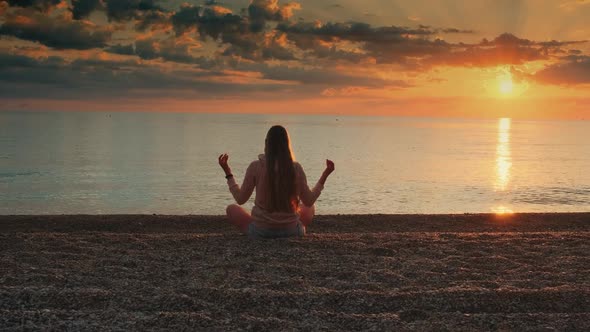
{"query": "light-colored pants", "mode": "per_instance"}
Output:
(238, 216)
(258, 233)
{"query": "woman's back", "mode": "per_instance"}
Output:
(284, 203)
(256, 177)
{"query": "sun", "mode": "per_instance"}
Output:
(506, 85)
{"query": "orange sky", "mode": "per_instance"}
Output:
(521, 59)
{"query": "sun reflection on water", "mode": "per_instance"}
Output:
(503, 161)
(502, 210)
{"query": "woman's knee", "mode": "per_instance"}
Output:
(306, 214)
(309, 209)
(230, 209)
(238, 216)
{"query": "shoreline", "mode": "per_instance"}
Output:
(476, 222)
(351, 272)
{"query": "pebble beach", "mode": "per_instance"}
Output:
(351, 272)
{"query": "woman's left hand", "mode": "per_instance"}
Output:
(329, 166)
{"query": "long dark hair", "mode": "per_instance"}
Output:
(280, 171)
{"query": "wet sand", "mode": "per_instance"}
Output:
(381, 272)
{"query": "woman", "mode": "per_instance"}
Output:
(284, 203)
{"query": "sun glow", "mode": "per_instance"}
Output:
(506, 85)
(502, 84)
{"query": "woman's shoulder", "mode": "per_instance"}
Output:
(298, 167)
(259, 162)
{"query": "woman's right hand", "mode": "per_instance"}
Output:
(223, 158)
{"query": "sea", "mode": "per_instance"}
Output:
(166, 163)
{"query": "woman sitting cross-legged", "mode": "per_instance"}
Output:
(284, 204)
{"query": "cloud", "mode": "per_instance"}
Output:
(124, 10)
(214, 22)
(99, 74)
(43, 5)
(211, 50)
(356, 41)
(259, 47)
(55, 31)
(145, 13)
(174, 49)
(248, 36)
(234, 31)
(353, 31)
(58, 78)
(572, 70)
(260, 11)
(83, 8)
(505, 49)
(121, 49)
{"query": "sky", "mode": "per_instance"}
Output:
(481, 58)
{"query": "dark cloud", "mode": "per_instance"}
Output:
(571, 70)
(506, 49)
(124, 10)
(215, 22)
(121, 49)
(154, 20)
(389, 44)
(55, 77)
(9, 60)
(145, 13)
(317, 48)
(221, 25)
(361, 32)
(455, 30)
(261, 11)
(170, 49)
(258, 47)
(185, 19)
(83, 8)
(248, 35)
(333, 42)
(243, 43)
(510, 40)
(354, 31)
(54, 31)
(42, 5)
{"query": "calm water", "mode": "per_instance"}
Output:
(61, 162)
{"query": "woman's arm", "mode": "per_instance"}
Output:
(243, 193)
(309, 196)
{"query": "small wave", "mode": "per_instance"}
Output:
(15, 174)
(555, 196)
